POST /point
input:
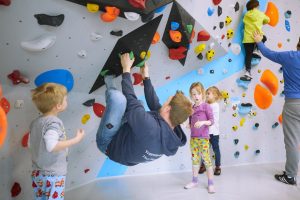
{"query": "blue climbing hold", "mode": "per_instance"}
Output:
(243, 82)
(160, 9)
(255, 59)
(244, 108)
(174, 26)
(288, 14)
(210, 11)
(60, 76)
(287, 25)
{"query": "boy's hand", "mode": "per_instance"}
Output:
(144, 71)
(126, 62)
(79, 135)
(257, 36)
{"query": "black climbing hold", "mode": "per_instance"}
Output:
(257, 151)
(44, 19)
(236, 154)
(256, 125)
(275, 125)
(109, 126)
(229, 60)
(236, 141)
(146, 18)
(246, 104)
(219, 11)
(214, 28)
(200, 56)
(117, 33)
(89, 103)
(236, 6)
(229, 44)
(221, 25)
(211, 71)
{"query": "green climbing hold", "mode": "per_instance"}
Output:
(104, 72)
(141, 64)
(189, 28)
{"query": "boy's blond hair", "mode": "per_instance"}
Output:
(47, 96)
(199, 88)
(216, 93)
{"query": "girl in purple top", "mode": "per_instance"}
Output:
(199, 122)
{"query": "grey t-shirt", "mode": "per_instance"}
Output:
(50, 162)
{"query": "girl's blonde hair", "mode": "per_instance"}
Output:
(199, 88)
(47, 96)
(216, 93)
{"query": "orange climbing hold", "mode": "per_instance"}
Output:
(111, 14)
(280, 118)
(3, 126)
(270, 80)
(279, 44)
(155, 38)
(262, 97)
(175, 36)
(192, 36)
(273, 13)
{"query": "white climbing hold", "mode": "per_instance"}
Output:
(82, 53)
(19, 104)
(132, 16)
(211, 45)
(235, 48)
(41, 43)
(94, 36)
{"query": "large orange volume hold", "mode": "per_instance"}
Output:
(273, 13)
(262, 97)
(270, 80)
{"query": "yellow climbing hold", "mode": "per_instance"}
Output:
(91, 7)
(234, 128)
(145, 55)
(200, 48)
(210, 54)
(85, 118)
(242, 121)
(244, 94)
(246, 147)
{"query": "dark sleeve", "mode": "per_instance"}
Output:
(150, 95)
(277, 57)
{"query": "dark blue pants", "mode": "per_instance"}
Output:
(214, 141)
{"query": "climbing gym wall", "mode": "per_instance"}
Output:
(77, 43)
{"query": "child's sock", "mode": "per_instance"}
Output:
(210, 182)
(195, 179)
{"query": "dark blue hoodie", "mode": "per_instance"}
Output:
(145, 136)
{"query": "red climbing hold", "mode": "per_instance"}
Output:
(5, 105)
(25, 140)
(98, 109)
(137, 78)
(16, 77)
(192, 36)
(203, 36)
(138, 3)
(86, 170)
(5, 2)
(177, 54)
(15, 190)
(217, 2)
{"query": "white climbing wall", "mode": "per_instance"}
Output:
(85, 161)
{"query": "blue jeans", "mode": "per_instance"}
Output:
(214, 141)
(112, 117)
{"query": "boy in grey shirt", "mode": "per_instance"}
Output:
(48, 142)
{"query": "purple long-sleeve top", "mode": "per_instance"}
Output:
(203, 112)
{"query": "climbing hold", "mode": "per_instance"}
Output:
(15, 190)
(200, 56)
(85, 118)
(282, 94)
(256, 125)
(25, 140)
(236, 7)
(203, 36)
(279, 45)
(98, 109)
(228, 20)
(89, 103)
(82, 54)
(280, 70)
(189, 28)
(235, 48)
(234, 115)
(236, 154)
(246, 147)
(221, 25)
(259, 71)
(147, 17)
(252, 113)
(234, 128)
(91, 7)
(60, 76)
(118, 33)
(177, 54)
(210, 54)
(160, 9)
(3, 124)
(270, 80)
(16, 77)
(175, 36)
(244, 108)
(243, 82)
(5, 105)
(287, 25)
(132, 16)
(242, 121)
(211, 71)
(217, 2)
(229, 33)
(219, 11)
(5, 2)
(236, 141)
(280, 118)
(257, 152)
(275, 125)
(94, 36)
(255, 59)
(19, 104)
(273, 13)
(137, 78)
(200, 48)
(210, 11)
(262, 97)
(141, 4)
(243, 94)
(282, 81)
(111, 14)
(39, 44)
(86, 171)
(155, 38)
(211, 45)
(288, 14)
(44, 19)
(174, 26)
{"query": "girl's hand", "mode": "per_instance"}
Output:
(80, 135)
(126, 62)
(199, 124)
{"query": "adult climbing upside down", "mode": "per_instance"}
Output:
(290, 61)
(128, 134)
